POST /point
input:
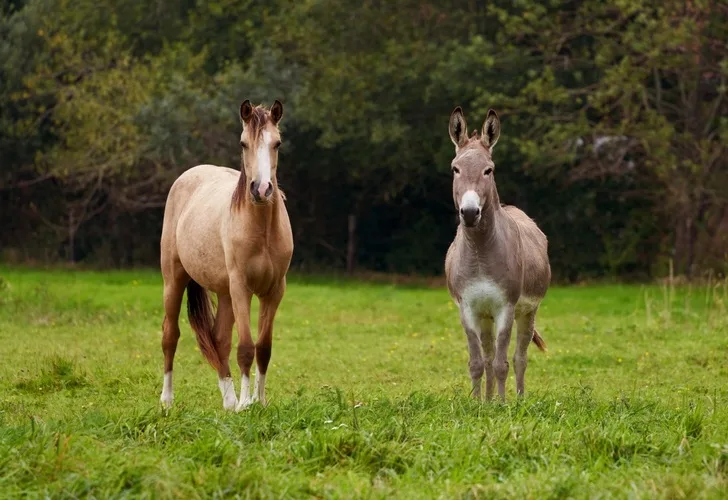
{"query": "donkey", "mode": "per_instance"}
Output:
(227, 231)
(497, 267)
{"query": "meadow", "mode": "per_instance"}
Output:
(368, 391)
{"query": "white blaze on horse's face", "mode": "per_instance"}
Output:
(260, 141)
(265, 165)
(261, 160)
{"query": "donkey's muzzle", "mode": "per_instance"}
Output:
(261, 191)
(470, 216)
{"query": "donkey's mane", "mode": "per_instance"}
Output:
(259, 119)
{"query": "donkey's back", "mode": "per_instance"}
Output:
(534, 252)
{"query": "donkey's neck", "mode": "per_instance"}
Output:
(486, 231)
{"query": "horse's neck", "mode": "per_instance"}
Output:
(261, 219)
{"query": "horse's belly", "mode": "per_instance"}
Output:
(201, 253)
(209, 272)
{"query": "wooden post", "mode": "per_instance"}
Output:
(351, 245)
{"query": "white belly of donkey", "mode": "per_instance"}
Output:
(484, 299)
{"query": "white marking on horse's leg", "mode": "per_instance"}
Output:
(245, 398)
(167, 393)
(227, 389)
(259, 390)
(487, 340)
(503, 327)
(470, 200)
(524, 334)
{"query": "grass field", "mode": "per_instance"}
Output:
(368, 391)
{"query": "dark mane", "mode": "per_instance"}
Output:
(260, 118)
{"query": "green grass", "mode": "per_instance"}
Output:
(368, 390)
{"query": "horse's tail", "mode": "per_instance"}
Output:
(202, 321)
(539, 341)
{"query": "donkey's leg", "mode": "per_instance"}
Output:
(268, 307)
(471, 326)
(487, 340)
(241, 297)
(223, 344)
(175, 281)
(524, 335)
(503, 325)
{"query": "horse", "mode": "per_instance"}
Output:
(227, 232)
(497, 267)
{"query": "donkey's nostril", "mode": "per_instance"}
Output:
(470, 215)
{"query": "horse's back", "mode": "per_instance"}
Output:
(192, 233)
(534, 247)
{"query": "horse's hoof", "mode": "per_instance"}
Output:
(243, 405)
(166, 401)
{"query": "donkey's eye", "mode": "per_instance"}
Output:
(487, 172)
(455, 170)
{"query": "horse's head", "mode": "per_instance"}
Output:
(260, 141)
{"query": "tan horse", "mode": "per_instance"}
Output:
(227, 232)
(497, 268)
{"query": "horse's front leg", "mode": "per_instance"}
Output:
(268, 307)
(241, 297)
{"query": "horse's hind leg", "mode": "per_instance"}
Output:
(175, 281)
(223, 343)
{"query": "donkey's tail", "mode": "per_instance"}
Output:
(539, 341)
(202, 321)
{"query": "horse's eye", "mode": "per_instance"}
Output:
(487, 172)
(244, 144)
(455, 170)
(277, 145)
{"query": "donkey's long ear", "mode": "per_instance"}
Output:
(491, 130)
(458, 128)
(276, 112)
(246, 111)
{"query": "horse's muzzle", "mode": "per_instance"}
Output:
(261, 191)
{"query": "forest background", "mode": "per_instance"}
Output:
(614, 124)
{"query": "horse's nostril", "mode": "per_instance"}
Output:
(269, 191)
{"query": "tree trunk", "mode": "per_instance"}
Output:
(71, 238)
(351, 246)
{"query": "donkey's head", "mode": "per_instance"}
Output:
(473, 186)
(260, 141)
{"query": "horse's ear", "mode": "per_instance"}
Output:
(491, 130)
(458, 128)
(276, 111)
(246, 111)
